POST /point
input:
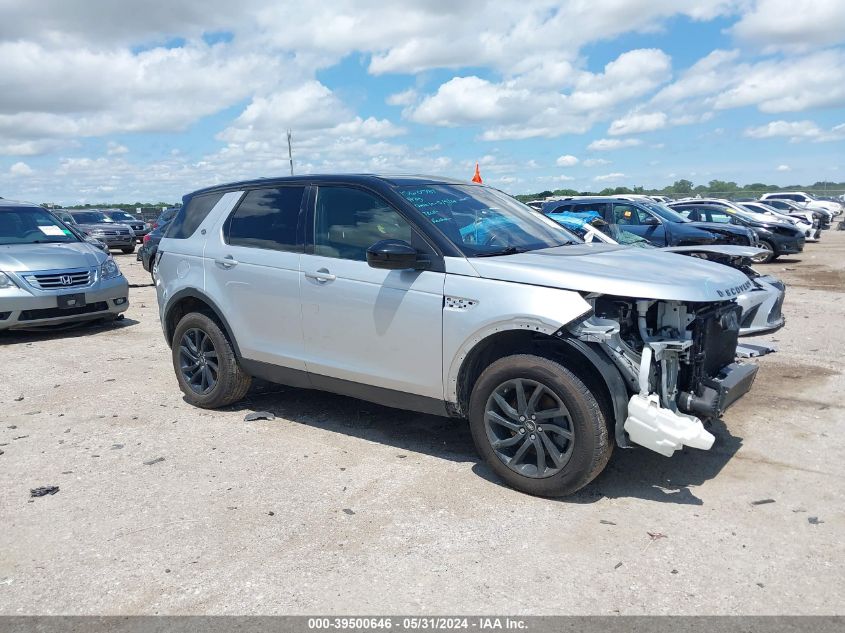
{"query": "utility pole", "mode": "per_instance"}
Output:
(290, 154)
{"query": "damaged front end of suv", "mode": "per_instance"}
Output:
(678, 360)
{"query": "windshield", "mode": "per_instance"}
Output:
(122, 215)
(91, 217)
(579, 223)
(663, 211)
(30, 225)
(482, 221)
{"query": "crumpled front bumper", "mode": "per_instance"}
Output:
(665, 431)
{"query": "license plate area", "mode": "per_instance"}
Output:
(67, 302)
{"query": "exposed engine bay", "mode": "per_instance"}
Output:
(678, 360)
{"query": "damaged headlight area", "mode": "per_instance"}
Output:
(678, 360)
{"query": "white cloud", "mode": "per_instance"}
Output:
(55, 92)
(788, 85)
(607, 144)
(593, 162)
(608, 177)
(794, 129)
(784, 168)
(114, 149)
(513, 110)
(567, 160)
(635, 122)
(404, 98)
(795, 24)
(561, 178)
(20, 169)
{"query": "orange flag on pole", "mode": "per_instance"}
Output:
(477, 176)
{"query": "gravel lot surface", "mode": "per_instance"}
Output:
(340, 506)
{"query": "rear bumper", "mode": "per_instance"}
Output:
(24, 310)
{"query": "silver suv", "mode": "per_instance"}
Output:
(49, 275)
(454, 299)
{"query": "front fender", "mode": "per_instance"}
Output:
(476, 308)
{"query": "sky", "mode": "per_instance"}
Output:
(148, 100)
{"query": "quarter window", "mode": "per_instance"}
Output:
(348, 221)
(266, 218)
(189, 217)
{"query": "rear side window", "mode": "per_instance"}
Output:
(266, 218)
(589, 207)
(191, 215)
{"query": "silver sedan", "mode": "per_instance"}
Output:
(50, 276)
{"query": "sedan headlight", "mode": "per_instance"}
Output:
(6, 281)
(109, 269)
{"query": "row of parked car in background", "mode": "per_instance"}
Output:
(559, 329)
(56, 269)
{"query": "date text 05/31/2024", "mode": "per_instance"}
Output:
(417, 623)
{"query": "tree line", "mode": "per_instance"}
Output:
(682, 188)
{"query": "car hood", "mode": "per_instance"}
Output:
(105, 226)
(719, 227)
(617, 270)
(719, 249)
(31, 257)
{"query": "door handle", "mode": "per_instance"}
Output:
(321, 276)
(226, 262)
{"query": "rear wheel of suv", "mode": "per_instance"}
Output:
(538, 426)
(205, 363)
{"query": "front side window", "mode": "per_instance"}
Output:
(266, 218)
(718, 215)
(627, 214)
(663, 212)
(481, 221)
(29, 225)
(348, 221)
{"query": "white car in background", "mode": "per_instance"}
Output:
(808, 200)
(802, 220)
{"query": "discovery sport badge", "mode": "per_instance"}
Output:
(735, 291)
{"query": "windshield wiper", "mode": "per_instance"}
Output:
(510, 250)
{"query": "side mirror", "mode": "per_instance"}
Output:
(392, 255)
(650, 220)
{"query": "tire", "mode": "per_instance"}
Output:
(772, 256)
(582, 456)
(230, 382)
(128, 250)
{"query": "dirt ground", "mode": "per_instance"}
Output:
(340, 506)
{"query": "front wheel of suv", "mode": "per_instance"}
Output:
(128, 250)
(206, 367)
(538, 426)
(771, 255)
